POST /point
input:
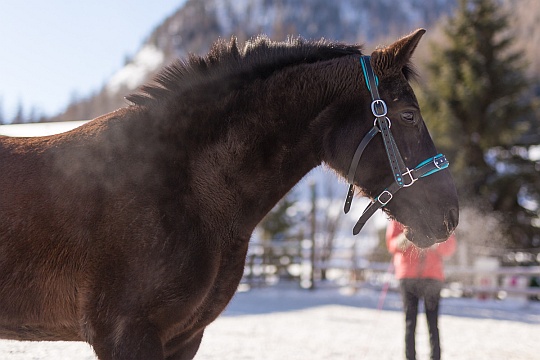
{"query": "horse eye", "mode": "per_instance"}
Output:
(408, 116)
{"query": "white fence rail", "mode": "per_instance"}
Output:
(271, 263)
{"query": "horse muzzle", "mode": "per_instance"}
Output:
(425, 238)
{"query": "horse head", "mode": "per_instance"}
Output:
(395, 157)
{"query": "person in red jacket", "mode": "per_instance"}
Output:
(421, 276)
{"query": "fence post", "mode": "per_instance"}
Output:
(313, 233)
(485, 266)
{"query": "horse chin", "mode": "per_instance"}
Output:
(421, 240)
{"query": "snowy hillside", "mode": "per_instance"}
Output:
(199, 23)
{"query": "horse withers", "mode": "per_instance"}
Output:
(130, 232)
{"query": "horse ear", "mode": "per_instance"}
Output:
(397, 55)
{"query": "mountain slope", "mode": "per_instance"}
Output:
(195, 26)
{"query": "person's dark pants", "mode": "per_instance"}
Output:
(412, 290)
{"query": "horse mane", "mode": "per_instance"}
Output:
(259, 58)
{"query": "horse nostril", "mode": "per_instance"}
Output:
(452, 219)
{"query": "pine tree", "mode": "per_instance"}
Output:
(479, 106)
(19, 115)
(2, 120)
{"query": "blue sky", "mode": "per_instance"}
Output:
(50, 50)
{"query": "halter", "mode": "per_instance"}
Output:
(403, 176)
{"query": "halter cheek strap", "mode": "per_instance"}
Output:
(403, 177)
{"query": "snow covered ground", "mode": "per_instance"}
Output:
(284, 322)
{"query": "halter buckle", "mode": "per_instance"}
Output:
(410, 175)
(377, 125)
(439, 161)
(385, 193)
(377, 103)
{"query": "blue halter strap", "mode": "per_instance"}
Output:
(403, 176)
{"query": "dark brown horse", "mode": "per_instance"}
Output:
(131, 231)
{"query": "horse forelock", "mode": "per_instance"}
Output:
(258, 58)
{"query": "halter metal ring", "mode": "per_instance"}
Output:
(385, 193)
(375, 105)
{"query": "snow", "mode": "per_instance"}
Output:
(39, 129)
(286, 322)
(254, 15)
(534, 153)
(147, 60)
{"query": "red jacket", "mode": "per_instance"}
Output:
(413, 262)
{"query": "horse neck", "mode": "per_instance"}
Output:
(269, 146)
